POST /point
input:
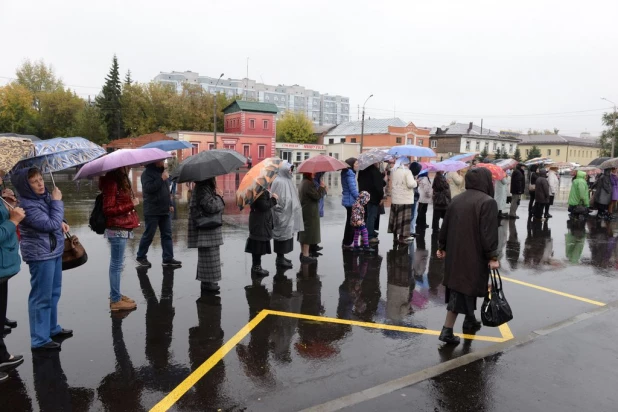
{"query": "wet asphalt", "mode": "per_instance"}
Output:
(130, 362)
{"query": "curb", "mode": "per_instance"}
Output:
(432, 372)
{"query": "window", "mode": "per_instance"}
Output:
(434, 144)
(298, 158)
(409, 140)
(477, 147)
(306, 155)
(245, 150)
(336, 156)
(510, 148)
(420, 142)
(261, 151)
(331, 141)
(503, 150)
(486, 146)
(267, 98)
(265, 124)
(468, 145)
(548, 152)
(353, 140)
(557, 152)
(398, 140)
(496, 147)
(252, 123)
(527, 152)
(211, 146)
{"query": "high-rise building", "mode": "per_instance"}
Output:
(322, 109)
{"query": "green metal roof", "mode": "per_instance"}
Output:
(245, 106)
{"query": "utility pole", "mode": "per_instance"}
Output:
(363, 124)
(613, 127)
(247, 83)
(215, 110)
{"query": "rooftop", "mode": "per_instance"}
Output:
(247, 106)
(464, 129)
(543, 139)
(372, 126)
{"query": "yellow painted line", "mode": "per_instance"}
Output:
(505, 330)
(383, 326)
(555, 292)
(167, 402)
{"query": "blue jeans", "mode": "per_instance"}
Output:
(372, 215)
(45, 287)
(117, 246)
(165, 227)
(173, 189)
(414, 215)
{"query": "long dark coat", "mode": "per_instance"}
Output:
(261, 218)
(518, 181)
(469, 235)
(603, 192)
(542, 188)
(205, 199)
(309, 200)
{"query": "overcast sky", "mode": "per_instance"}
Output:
(429, 62)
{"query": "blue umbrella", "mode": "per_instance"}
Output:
(411, 150)
(464, 157)
(168, 145)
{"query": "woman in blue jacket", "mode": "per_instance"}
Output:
(350, 193)
(9, 266)
(42, 243)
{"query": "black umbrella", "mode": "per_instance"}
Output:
(207, 164)
(598, 161)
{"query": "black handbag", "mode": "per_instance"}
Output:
(209, 221)
(495, 310)
(74, 254)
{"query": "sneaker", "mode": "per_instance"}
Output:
(447, 336)
(12, 363)
(307, 259)
(172, 263)
(121, 305)
(51, 345)
(259, 272)
(143, 263)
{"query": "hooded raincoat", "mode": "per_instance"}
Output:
(288, 213)
(501, 190)
(579, 191)
(469, 235)
(603, 193)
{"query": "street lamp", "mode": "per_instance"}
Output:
(215, 109)
(614, 127)
(363, 124)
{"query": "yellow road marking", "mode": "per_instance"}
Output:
(505, 331)
(197, 374)
(555, 292)
(383, 326)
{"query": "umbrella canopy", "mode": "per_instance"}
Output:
(598, 161)
(321, 163)
(447, 166)
(507, 164)
(370, 157)
(168, 145)
(589, 170)
(12, 150)
(61, 153)
(257, 180)
(609, 164)
(464, 157)
(21, 136)
(538, 160)
(411, 150)
(207, 164)
(496, 171)
(120, 158)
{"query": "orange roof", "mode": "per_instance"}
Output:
(135, 142)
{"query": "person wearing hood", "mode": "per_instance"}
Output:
(579, 194)
(402, 199)
(42, 244)
(349, 195)
(358, 221)
(543, 192)
(371, 181)
(425, 199)
(603, 194)
(157, 209)
(287, 215)
(518, 185)
(468, 242)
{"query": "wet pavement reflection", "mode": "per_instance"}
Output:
(130, 362)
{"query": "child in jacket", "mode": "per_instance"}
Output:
(358, 221)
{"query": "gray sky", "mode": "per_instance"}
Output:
(429, 62)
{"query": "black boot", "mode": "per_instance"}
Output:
(447, 336)
(258, 271)
(210, 287)
(471, 324)
(283, 262)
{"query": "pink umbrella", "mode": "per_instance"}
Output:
(321, 163)
(447, 166)
(121, 158)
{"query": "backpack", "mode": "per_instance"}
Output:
(97, 221)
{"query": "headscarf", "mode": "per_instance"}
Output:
(415, 168)
(363, 198)
(288, 217)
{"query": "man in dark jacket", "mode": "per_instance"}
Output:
(518, 185)
(542, 194)
(469, 243)
(157, 208)
(371, 181)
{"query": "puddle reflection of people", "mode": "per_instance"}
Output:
(399, 283)
(283, 328)
(601, 243)
(15, 393)
(538, 247)
(513, 246)
(575, 240)
(435, 272)
(121, 390)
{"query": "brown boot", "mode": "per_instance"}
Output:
(121, 305)
(124, 299)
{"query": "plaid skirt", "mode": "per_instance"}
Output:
(400, 220)
(208, 264)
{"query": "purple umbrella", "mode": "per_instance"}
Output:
(121, 158)
(447, 166)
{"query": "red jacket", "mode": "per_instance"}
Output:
(117, 206)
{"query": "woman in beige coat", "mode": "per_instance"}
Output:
(456, 182)
(402, 199)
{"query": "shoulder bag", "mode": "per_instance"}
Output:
(495, 310)
(74, 254)
(208, 220)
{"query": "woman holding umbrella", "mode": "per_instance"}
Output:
(309, 200)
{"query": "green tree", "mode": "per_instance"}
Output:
(517, 155)
(534, 152)
(109, 102)
(17, 114)
(89, 124)
(39, 78)
(498, 154)
(606, 137)
(127, 79)
(484, 153)
(295, 127)
(505, 155)
(59, 109)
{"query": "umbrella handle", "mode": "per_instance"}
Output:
(52, 178)
(7, 204)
